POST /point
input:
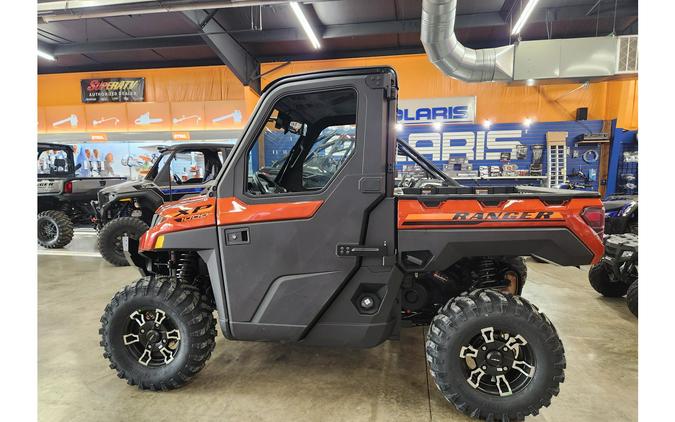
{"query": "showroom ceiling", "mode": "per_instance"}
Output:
(125, 35)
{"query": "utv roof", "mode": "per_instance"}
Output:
(334, 73)
(53, 145)
(196, 145)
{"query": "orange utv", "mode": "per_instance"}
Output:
(321, 247)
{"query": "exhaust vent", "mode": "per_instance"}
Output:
(572, 58)
(628, 54)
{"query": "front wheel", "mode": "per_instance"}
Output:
(55, 230)
(495, 356)
(603, 281)
(632, 298)
(156, 333)
(110, 238)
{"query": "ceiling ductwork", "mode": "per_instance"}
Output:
(575, 58)
(454, 59)
(65, 10)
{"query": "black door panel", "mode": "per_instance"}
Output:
(287, 275)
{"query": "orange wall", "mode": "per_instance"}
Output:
(197, 88)
(499, 102)
(171, 95)
(204, 83)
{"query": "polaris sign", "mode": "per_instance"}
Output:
(429, 110)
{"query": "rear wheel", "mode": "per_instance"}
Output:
(55, 230)
(157, 334)
(110, 238)
(495, 356)
(603, 281)
(632, 298)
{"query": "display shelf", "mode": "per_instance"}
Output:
(499, 177)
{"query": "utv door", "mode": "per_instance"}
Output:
(303, 180)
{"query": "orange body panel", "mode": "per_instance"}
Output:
(470, 213)
(190, 213)
(203, 211)
(233, 211)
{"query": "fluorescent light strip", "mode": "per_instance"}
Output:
(46, 55)
(305, 24)
(524, 16)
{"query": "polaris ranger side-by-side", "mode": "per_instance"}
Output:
(63, 197)
(347, 262)
(127, 208)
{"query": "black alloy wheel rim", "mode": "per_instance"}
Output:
(47, 230)
(152, 338)
(497, 362)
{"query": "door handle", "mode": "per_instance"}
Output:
(349, 249)
(237, 236)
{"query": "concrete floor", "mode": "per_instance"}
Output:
(272, 382)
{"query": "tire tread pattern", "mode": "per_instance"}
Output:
(65, 226)
(199, 319)
(632, 298)
(105, 238)
(476, 304)
(598, 275)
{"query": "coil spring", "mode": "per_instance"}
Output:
(187, 267)
(487, 271)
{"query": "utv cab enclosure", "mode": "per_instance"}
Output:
(326, 254)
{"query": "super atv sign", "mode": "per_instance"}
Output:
(118, 90)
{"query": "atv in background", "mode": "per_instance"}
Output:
(63, 198)
(617, 274)
(127, 208)
(621, 214)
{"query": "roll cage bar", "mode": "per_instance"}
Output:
(427, 166)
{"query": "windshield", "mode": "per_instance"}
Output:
(333, 146)
(159, 163)
(54, 161)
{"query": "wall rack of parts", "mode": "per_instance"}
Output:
(143, 117)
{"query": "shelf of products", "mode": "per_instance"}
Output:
(499, 177)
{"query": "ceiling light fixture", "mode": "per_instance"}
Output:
(487, 123)
(46, 55)
(524, 16)
(438, 125)
(305, 24)
(399, 127)
(527, 122)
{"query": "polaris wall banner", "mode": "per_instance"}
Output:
(447, 110)
(116, 90)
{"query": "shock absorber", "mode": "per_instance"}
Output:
(187, 267)
(487, 272)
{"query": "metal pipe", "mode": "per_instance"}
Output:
(63, 12)
(451, 57)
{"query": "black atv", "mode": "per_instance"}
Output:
(617, 274)
(621, 214)
(128, 208)
(63, 198)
